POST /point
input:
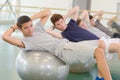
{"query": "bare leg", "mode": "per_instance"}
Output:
(101, 44)
(103, 69)
(115, 48)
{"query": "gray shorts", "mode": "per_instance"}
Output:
(108, 42)
(79, 52)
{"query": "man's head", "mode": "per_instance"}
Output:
(58, 21)
(92, 22)
(25, 25)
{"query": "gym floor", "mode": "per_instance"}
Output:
(8, 54)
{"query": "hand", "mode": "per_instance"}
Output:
(100, 12)
(15, 26)
(64, 17)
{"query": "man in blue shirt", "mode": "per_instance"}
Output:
(72, 31)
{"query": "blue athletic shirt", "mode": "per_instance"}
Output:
(75, 33)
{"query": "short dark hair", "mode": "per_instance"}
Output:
(22, 19)
(78, 21)
(55, 18)
(90, 17)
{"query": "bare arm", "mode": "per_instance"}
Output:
(42, 15)
(84, 16)
(73, 12)
(12, 40)
(98, 15)
(54, 34)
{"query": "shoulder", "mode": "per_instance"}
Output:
(72, 21)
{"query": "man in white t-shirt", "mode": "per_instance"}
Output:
(70, 52)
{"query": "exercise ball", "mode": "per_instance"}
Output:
(82, 67)
(40, 65)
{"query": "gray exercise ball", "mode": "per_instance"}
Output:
(82, 67)
(39, 65)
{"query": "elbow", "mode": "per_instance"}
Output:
(4, 38)
(85, 11)
(77, 8)
(48, 12)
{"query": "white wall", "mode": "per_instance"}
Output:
(64, 4)
(47, 3)
(105, 5)
(5, 15)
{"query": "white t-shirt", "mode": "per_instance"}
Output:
(70, 52)
(42, 41)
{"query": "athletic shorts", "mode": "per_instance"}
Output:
(79, 52)
(107, 45)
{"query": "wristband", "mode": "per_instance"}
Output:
(13, 28)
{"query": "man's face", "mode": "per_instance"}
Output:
(92, 22)
(60, 25)
(27, 28)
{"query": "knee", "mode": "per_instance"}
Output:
(101, 44)
(118, 47)
(99, 53)
(99, 50)
(114, 48)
